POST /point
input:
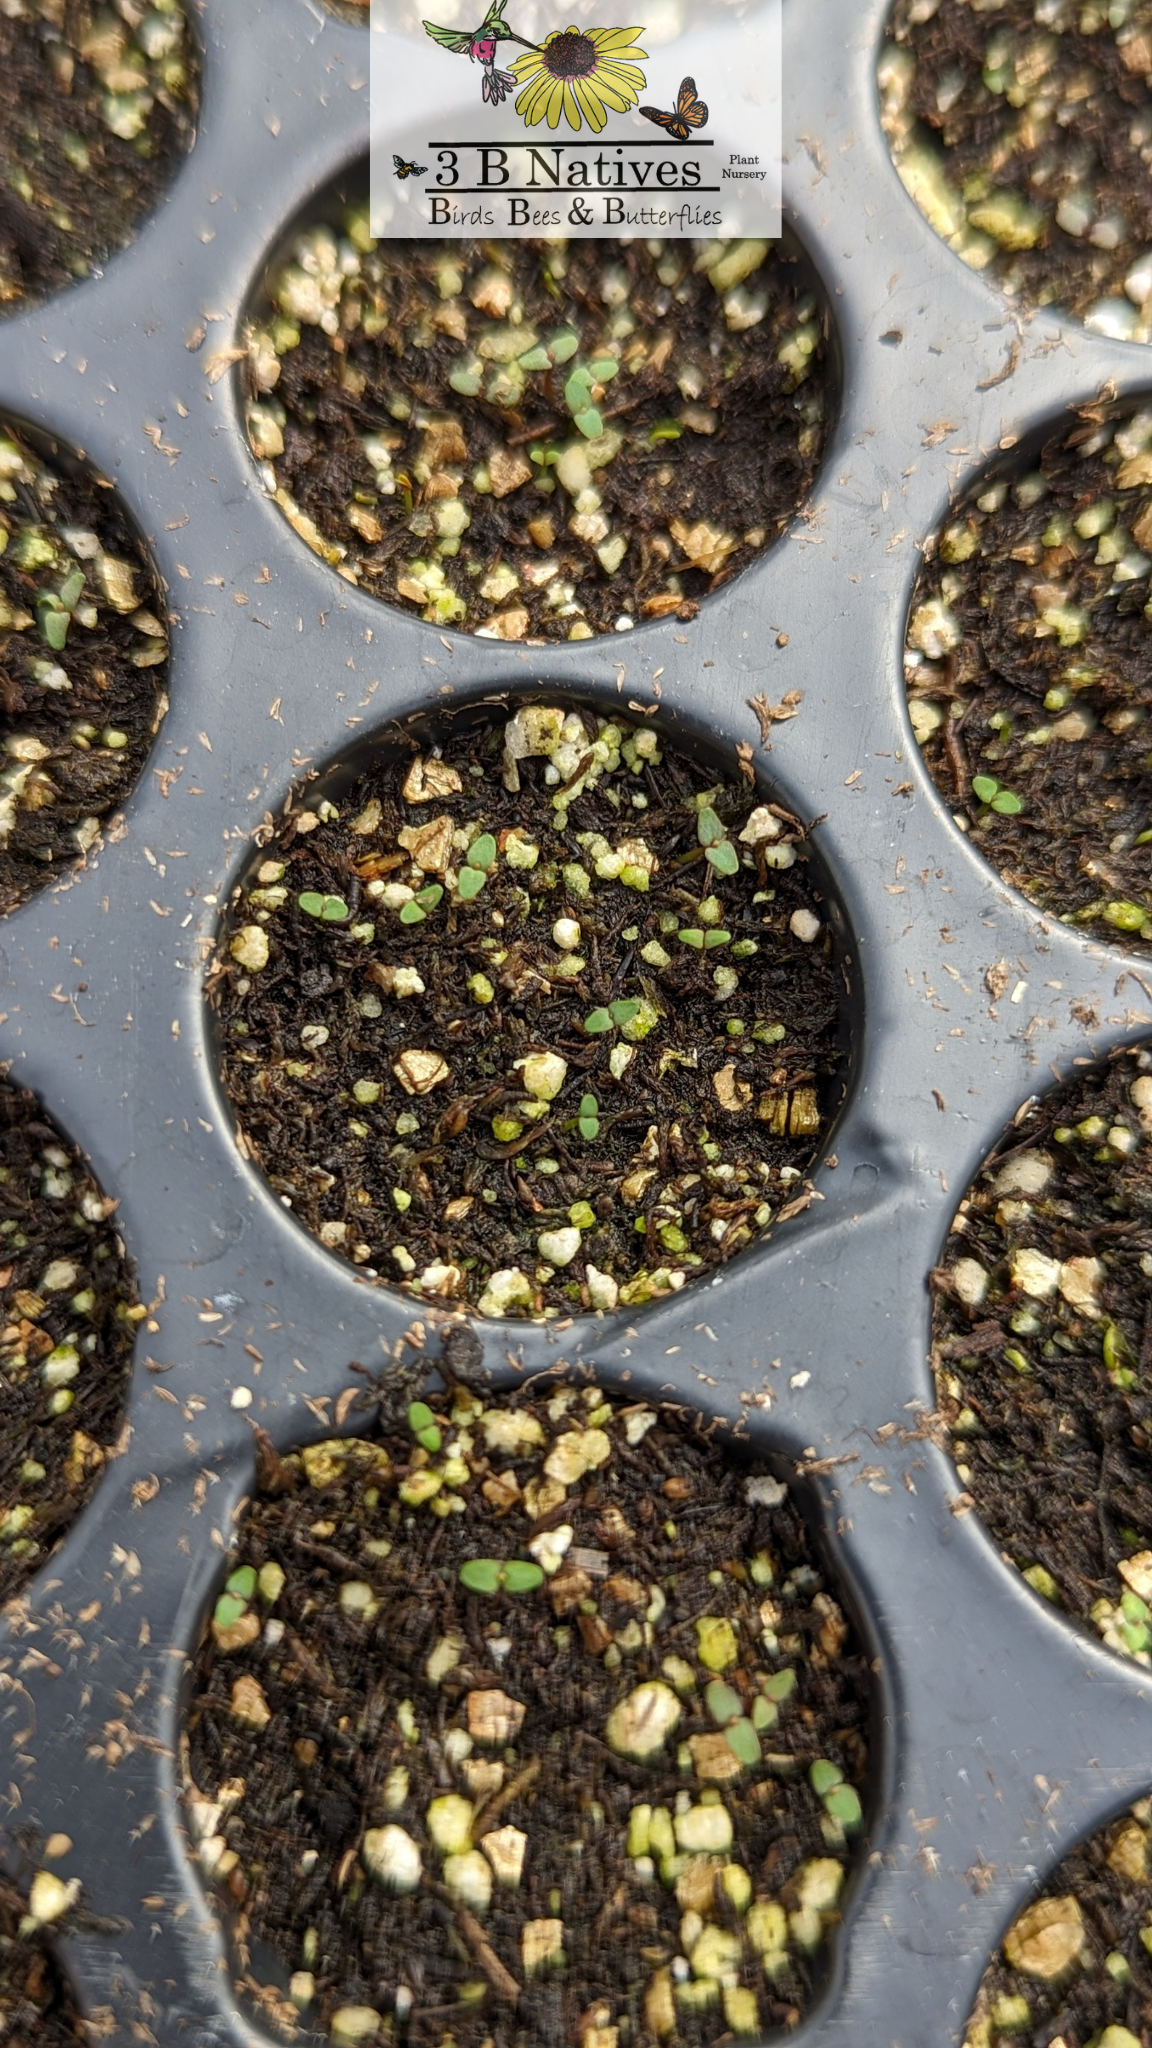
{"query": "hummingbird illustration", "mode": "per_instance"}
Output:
(480, 44)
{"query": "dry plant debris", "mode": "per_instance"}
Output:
(528, 1720)
(540, 1021)
(534, 440)
(1029, 676)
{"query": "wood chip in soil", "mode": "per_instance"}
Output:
(1029, 671)
(527, 1720)
(69, 1309)
(538, 441)
(1076, 1965)
(1042, 1341)
(96, 110)
(1024, 134)
(37, 2009)
(547, 1020)
(83, 659)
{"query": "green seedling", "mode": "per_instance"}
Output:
(329, 909)
(482, 852)
(471, 882)
(664, 430)
(228, 1610)
(992, 793)
(422, 1423)
(242, 1582)
(489, 1575)
(620, 1012)
(588, 1120)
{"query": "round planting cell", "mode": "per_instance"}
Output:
(1042, 1344)
(83, 659)
(548, 1017)
(1024, 135)
(529, 1719)
(69, 1306)
(537, 440)
(1027, 665)
(1076, 1965)
(37, 2009)
(95, 111)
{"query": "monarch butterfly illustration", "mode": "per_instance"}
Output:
(404, 170)
(690, 112)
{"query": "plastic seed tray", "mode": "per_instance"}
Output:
(1003, 1735)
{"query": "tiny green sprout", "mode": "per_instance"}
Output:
(70, 590)
(822, 1775)
(54, 620)
(604, 368)
(723, 857)
(588, 1120)
(577, 388)
(664, 430)
(228, 1610)
(708, 827)
(488, 1575)
(519, 1576)
(311, 902)
(842, 1803)
(623, 1010)
(716, 937)
(1119, 1358)
(590, 422)
(422, 1423)
(334, 910)
(470, 883)
(744, 1742)
(481, 1575)
(563, 345)
(597, 1021)
(535, 359)
(722, 1702)
(428, 898)
(482, 852)
(780, 1686)
(692, 936)
(241, 1582)
(764, 1714)
(411, 913)
(991, 792)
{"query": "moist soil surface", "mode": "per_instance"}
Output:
(1029, 669)
(553, 1051)
(36, 2006)
(535, 440)
(1042, 1341)
(83, 657)
(1093, 1918)
(69, 1309)
(596, 1794)
(1024, 132)
(95, 110)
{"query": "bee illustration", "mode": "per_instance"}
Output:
(404, 170)
(690, 113)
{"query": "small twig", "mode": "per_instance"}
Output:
(502, 1982)
(499, 1800)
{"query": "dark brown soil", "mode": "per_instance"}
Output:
(1100, 1894)
(1041, 119)
(1047, 1395)
(1039, 684)
(77, 718)
(681, 1126)
(664, 1542)
(480, 504)
(69, 1310)
(72, 189)
(36, 2006)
